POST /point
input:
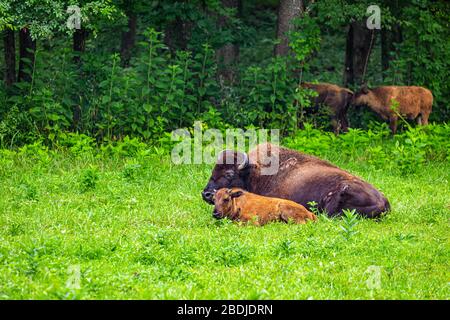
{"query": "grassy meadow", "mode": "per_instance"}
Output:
(93, 207)
(93, 227)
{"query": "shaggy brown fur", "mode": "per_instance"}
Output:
(334, 97)
(239, 205)
(414, 103)
(301, 178)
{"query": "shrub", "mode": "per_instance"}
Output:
(88, 179)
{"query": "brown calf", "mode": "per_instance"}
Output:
(237, 204)
(413, 103)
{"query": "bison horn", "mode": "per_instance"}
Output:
(241, 158)
(220, 157)
(244, 162)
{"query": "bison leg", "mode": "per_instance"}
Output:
(425, 119)
(295, 214)
(336, 125)
(393, 125)
(344, 123)
(419, 120)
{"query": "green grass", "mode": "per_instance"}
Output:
(139, 230)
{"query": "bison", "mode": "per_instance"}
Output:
(336, 98)
(300, 177)
(237, 204)
(413, 103)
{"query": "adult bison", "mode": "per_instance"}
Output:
(301, 178)
(334, 97)
(413, 103)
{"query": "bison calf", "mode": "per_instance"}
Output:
(336, 98)
(413, 103)
(237, 204)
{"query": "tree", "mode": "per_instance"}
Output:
(359, 45)
(27, 50)
(132, 10)
(287, 11)
(391, 35)
(33, 19)
(79, 43)
(177, 22)
(93, 14)
(9, 43)
(228, 54)
(128, 38)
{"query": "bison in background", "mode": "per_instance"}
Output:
(301, 178)
(413, 103)
(336, 98)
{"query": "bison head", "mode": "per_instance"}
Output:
(223, 202)
(231, 170)
(362, 97)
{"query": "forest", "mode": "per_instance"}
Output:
(144, 68)
(94, 207)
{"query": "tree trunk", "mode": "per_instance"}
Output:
(79, 44)
(390, 37)
(388, 40)
(128, 40)
(177, 34)
(27, 49)
(363, 40)
(287, 11)
(360, 41)
(348, 72)
(228, 55)
(10, 57)
(386, 46)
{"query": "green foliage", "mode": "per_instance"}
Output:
(129, 147)
(233, 255)
(77, 144)
(269, 94)
(349, 223)
(131, 170)
(312, 206)
(153, 237)
(422, 58)
(37, 151)
(88, 179)
(408, 152)
(285, 248)
(305, 38)
(167, 89)
(16, 127)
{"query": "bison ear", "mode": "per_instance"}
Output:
(347, 96)
(236, 194)
(350, 94)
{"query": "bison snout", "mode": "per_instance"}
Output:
(217, 215)
(208, 196)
